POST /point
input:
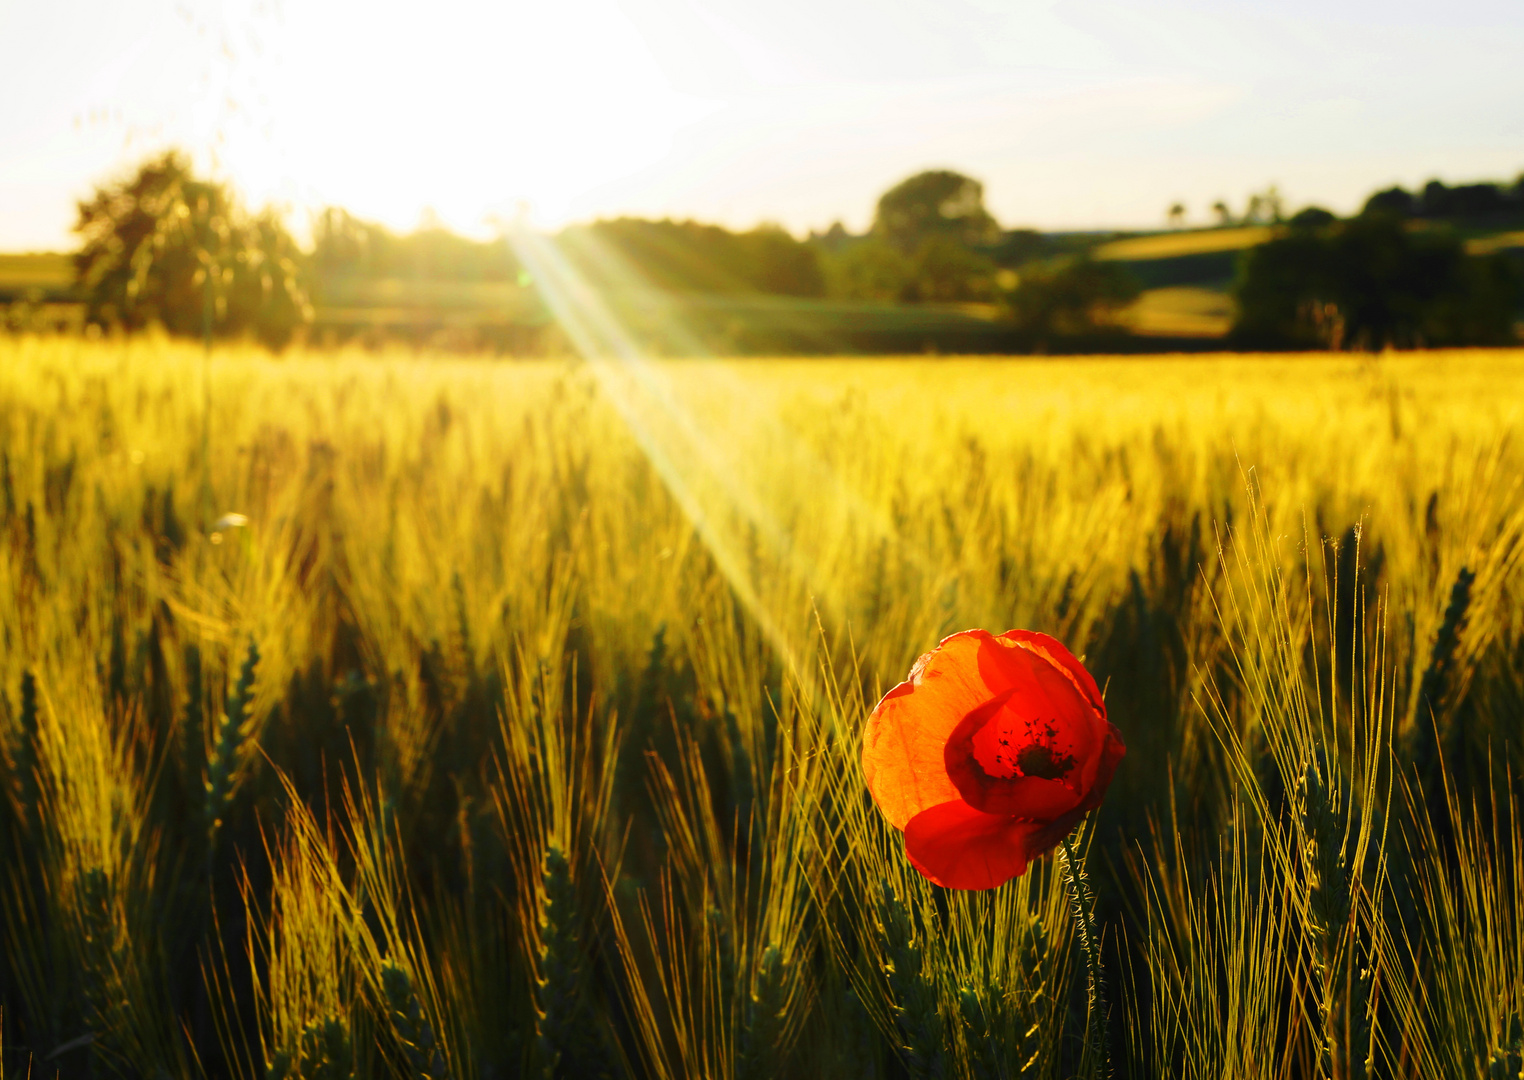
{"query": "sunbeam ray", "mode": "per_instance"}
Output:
(656, 420)
(698, 466)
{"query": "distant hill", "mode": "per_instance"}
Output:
(37, 293)
(38, 275)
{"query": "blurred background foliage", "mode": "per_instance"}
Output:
(1372, 283)
(934, 272)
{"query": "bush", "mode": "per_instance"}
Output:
(868, 270)
(1075, 297)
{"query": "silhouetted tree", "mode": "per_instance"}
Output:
(937, 203)
(1438, 200)
(1311, 217)
(1371, 283)
(1223, 214)
(1176, 215)
(1465, 200)
(163, 246)
(1392, 200)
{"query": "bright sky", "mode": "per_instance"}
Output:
(1074, 113)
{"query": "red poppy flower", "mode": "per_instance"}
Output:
(989, 754)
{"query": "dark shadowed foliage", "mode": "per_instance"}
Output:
(1074, 297)
(1481, 201)
(1393, 200)
(1311, 217)
(1372, 283)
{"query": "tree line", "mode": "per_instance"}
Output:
(167, 247)
(1482, 201)
(1374, 281)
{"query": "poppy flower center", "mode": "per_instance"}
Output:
(1010, 746)
(1003, 761)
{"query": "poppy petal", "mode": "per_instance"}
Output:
(959, 847)
(1046, 837)
(1111, 756)
(1051, 686)
(908, 731)
(1053, 651)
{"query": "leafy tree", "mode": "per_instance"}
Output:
(1264, 207)
(1371, 283)
(940, 270)
(868, 270)
(1017, 247)
(691, 257)
(1176, 215)
(165, 247)
(1074, 297)
(945, 271)
(937, 203)
(776, 263)
(834, 239)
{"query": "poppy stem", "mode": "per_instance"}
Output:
(1082, 906)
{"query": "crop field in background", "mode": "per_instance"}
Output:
(513, 728)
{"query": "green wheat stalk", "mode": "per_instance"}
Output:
(1425, 734)
(913, 994)
(222, 767)
(1087, 932)
(411, 1026)
(559, 995)
(26, 754)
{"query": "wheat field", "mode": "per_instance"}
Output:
(416, 716)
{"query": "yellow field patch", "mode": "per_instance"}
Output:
(1173, 245)
(577, 658)
(1487, 245)
(1181, 312)
(42, 271)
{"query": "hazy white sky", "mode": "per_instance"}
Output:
(1073, 112)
